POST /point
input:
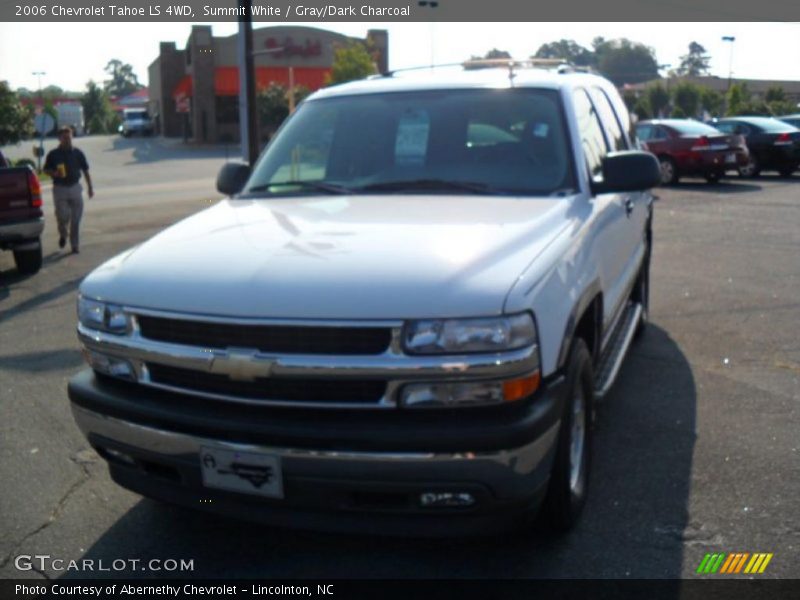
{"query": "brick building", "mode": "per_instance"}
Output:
(195, 91)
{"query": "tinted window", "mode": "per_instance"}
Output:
(509, 140)
(726, 127)
(591, 132)
(610, 120)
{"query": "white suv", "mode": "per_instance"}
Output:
(399, 320)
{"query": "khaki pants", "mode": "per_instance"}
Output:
(68, 200)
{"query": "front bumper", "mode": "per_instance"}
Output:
(342, 470)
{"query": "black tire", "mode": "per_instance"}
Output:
(669, 171)
(752, 168)
(713, 177)
(28, 261)
(787, 172)
(568, 487)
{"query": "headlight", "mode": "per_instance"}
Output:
(99, 315)
(459, 336)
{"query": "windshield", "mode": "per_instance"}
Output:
(445, 141)
(136, 115)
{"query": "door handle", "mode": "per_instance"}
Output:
(629, 206)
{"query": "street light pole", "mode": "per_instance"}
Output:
(39, 75)
(731, 39)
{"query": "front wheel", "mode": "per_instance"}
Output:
(713, 177)
(569, 480)
(787, 172)
(28, 261)
(751, 169)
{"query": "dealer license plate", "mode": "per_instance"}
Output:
(243, 472)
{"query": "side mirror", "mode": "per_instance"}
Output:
(232, 177)
(628, 171)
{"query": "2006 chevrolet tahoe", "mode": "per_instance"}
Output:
(399, 320)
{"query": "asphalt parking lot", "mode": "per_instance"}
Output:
(696, 449)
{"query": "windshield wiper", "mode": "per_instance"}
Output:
(429, 184)
(330, 188)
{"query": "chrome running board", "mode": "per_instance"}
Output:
(611, 359)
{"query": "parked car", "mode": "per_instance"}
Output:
(136, 120)
(21, 217)
(685, 147)
(793, 120)
(400, 320)
(773, 144)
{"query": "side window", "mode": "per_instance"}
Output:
(610, 119)
(659, 133)
(644, 132)
(725, 127)
(591, 132)
(743, 129)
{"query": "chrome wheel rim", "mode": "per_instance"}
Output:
(667, 171)
(577, 440)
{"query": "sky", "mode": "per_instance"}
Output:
(72, 54)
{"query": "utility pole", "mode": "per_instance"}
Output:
(248, 123)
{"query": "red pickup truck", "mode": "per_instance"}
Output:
(21, 217)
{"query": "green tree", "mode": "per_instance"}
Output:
(677, 113)
(624, 61)
(775, 94)
(696, 62)
(16, 119)
(568, 50)
(737, 99)
(123, 80)
(97, 110)
(657, 99)
(494, 53)
(351, 61)
(711, 101)
(273, 106)
(686, 97)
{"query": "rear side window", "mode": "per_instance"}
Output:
(591, 132)
(610, 119)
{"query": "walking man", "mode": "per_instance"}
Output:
(65, 164)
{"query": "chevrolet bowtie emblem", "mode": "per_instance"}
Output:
(240, 364)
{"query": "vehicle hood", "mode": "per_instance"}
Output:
(342, 257)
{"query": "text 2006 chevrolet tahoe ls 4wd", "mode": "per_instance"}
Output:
(398, 321)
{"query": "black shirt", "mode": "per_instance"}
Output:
(73, 160)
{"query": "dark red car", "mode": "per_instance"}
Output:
(685, 147)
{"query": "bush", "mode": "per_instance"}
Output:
(25, 162)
